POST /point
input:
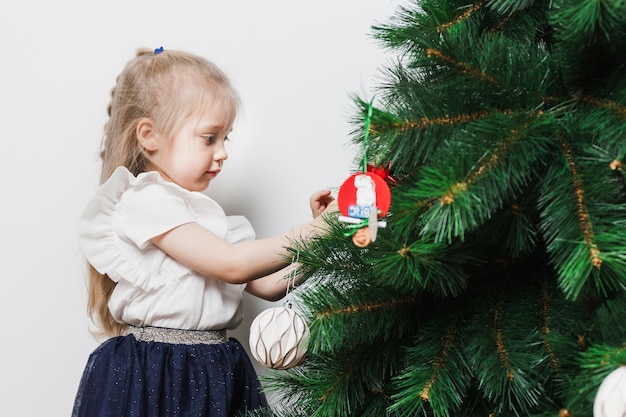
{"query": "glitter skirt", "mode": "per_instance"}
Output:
(141, 375)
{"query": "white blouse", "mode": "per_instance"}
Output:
(152, 288)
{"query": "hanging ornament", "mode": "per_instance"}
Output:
(279, 335)
(610, 400)
(364, 198)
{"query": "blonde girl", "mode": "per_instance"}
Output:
(167, 267)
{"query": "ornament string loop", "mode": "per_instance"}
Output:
(291, 280)
(366, 132)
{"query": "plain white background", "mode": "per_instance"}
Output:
(295, 65)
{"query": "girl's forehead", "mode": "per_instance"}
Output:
(206, 105)
(214, 114)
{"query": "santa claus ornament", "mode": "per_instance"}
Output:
(364, 198)
(279, 336)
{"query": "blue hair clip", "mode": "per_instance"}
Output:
(158, 50)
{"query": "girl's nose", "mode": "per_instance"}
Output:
(221, 154)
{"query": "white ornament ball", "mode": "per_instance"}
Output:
(610, 400)
(279, 338)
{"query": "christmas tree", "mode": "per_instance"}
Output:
(498, 286)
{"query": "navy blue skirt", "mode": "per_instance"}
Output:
(126, 377)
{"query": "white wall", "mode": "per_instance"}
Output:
(294, 63)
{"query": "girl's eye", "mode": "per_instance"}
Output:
(211, 139)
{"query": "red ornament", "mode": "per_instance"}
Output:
(351, 205)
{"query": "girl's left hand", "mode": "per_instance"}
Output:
(320, 201)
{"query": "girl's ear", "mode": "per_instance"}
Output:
(146, 134)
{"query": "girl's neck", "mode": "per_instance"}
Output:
(162, 173)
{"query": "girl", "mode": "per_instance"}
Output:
(167, 267)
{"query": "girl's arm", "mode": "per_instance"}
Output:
(273, 287)
(205, 252)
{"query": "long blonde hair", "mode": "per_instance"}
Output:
(168, 87)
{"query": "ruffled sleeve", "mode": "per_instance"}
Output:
(128, 211)
(149, 209)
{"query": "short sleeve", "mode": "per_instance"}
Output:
(149, 210)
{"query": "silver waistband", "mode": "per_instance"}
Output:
(178, 336)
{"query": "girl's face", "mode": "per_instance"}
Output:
(195, 153)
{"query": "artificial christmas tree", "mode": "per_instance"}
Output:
(498, 286)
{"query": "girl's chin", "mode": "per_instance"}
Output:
(199, 186)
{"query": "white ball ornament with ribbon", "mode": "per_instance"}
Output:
(279, 336)
(610, 400)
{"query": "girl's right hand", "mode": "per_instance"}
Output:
(321, 201)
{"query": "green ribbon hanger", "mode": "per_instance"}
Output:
(351, 229)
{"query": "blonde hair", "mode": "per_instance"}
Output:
(169, 87)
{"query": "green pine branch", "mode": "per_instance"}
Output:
(498, 286)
